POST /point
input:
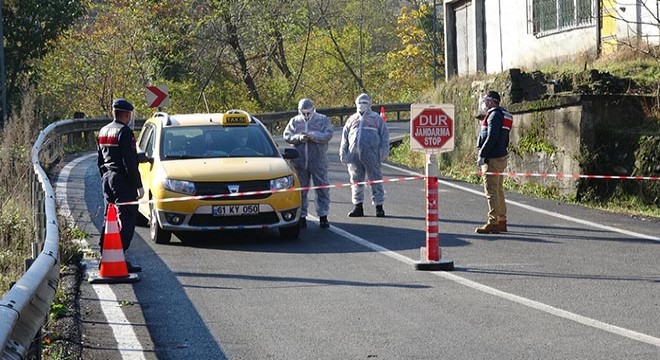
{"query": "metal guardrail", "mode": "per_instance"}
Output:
(25, 307)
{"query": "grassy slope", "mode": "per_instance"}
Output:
(644, 71)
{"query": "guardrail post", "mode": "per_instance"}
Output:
(41, 220)
(90, 141)
(35, 351)
(37, 212)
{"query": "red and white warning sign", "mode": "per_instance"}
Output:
(157, 96)
(432, 127)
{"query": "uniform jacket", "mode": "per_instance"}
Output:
(313, 153)
(117, 152)
(494, 134)
(364, 139)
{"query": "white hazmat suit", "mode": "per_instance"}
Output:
(364, 145)
(310, 133)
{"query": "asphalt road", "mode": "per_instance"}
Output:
(566, 282)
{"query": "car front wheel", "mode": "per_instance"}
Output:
(156, 233)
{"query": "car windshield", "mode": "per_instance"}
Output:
(194, 142)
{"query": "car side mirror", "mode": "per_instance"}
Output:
(290, 153)
(143, 158)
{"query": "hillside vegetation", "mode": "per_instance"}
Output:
(624, 73)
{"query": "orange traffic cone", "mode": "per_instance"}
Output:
(113, 264)
(382, 113)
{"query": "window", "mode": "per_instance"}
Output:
(144, 137)
(556, 15)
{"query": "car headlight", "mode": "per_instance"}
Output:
(282, 183)
(180, 186)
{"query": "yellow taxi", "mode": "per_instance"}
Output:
(208, 172)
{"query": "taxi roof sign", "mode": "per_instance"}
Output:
(235, 119)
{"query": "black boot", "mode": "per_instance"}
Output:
(303, 222)
(357, 211)
(323, 222)
(379, 211)
(132, 268)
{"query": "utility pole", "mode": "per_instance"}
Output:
(435, 43)
(360, 26)
(3, 78)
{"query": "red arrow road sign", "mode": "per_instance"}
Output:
(432, 127)
(157, 96)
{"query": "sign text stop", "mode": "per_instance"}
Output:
(432, 127)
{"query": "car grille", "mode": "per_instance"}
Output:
(265, 218)
(221, 188)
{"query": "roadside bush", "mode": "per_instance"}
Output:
(16, 228)
(647, 163)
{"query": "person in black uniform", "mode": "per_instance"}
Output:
(118, 165)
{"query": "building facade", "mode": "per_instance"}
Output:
(495, 35)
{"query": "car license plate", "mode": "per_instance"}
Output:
(235, 210)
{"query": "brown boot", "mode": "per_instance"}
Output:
(488, 229)
(502, 226)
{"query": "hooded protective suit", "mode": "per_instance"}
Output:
(310, 133)
(364, 145)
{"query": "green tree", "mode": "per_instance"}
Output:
(116, 53)
(410, 68)
(259, 55)
(29, 28)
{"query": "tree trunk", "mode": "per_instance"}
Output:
(342, 58)
(279, 54)
(232, 36)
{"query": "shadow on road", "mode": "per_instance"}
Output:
(299, 282)
(556, 275)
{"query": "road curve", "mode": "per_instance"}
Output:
(565, 283)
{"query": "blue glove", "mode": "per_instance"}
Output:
(481, 162)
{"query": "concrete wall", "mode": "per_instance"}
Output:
(590, 134)
(561, 129)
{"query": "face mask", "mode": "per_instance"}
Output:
(307, 114)
(362, 107)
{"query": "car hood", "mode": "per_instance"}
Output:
(226, 169)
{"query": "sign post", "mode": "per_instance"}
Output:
(157, 96)
(432, 131)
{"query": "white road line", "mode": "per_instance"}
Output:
(541, 211)
(127, 342)
(631, 334)
(61, 186)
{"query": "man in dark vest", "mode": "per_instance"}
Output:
(118, 165)
(492, 157)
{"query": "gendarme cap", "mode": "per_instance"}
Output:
(122, 104)
(493, 95)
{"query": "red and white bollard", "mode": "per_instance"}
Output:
(431, 255)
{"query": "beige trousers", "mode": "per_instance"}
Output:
(494, 189)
